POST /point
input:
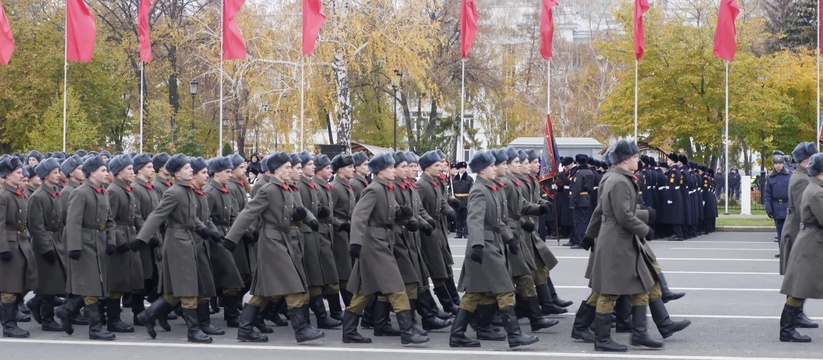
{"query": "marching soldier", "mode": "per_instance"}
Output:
(161, 178)
(244, 255)
(147, 199)
(34, 158)
(33, 181)
(462, 183)
(74, 178)
(361, 173)
(200, 179)
(344, 196)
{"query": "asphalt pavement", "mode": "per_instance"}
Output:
(733, 301)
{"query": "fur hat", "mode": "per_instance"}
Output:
(411, 157)
(674, 157)
(380, 162)
(159, 160)
(340, 161)
(305, 157)
(399, 157)
(141, 160)
(176, 162)
(198, 164)
(294, 159)
(428, 159)
(623, 150)
(644, 158)
(237, 160)
(45, 167)
(511, 154)
(81, 153)
(106, 153)
(581, 158)
(118, 163)
(34, 154)
(462, 165)
(91, 165)
(652, 162)
(321, 161)
(440, 155)
(499, 156)
(683, 159)
(70, 164)
(804, 151)
(28, 172)
(815, 166)
(218, 164)
(523, 157)
(276, 160)
(8, 165)
(359, 158)
(532, 154)
(566, 161)
(591, 161)
(481, 160)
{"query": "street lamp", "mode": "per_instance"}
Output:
(239, 122)
(193, 91)
(762, 181)
(394, 87)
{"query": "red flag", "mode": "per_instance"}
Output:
(313, 19)
(6, 39)
(143, 30)
(547, 29)
(80, 31)
(233, 45)
(725, 44)
(549, 168)
(468, 26)
(640, 8)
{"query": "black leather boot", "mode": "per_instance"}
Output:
(602, 334)
(445, 299)
(194, 333)
(101, 305)
(113, 321)
(335, 308)
(245, 329)
(536, 319)
(204, 321)
(458, 337)
(513, 333)
(137, 306)
(803, 321)
(407, 333)
(10, 328)
(300, 323)
(318, 307)
(367, 320)
(484, 328)
(453, 291)
(230, 312)
(350, 334)
(547, 304)
(427, 299)
(427, 316)
(159, 308)
(270, 310)
(623, 314)
(46, 311)
(96, 330)
(557, 301)
(78, 318)
(665, 325)
(582, 320)
(416, 327)
(788, 325)
(163, 319)
(668, 295)
(34, 306)
(382, 321)
(640, 333)
(67, 311)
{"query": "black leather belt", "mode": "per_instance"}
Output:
(494, 229)
(18, 228)
(191, 228)
(278, 228)
(52, 229)
(380, 225)
(100, 227)
(806, 225)
(124, 222)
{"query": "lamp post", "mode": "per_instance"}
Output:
(394, 87)
(193, 91)
(239, 127)
(225, 125)
(266, 110)
(762, 181)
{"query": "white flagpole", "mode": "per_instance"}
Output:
(549, 86)
(302, 102)
(142, 79)
(460, 151)
(636, 66)
(65, 77)
(727, 139)
(220, 119)
(817, 120)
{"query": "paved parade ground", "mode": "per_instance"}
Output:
(731, 281)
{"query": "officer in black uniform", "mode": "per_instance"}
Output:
(582, 180)
(563, 189)
(462, 183)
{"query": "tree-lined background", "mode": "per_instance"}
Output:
(372, 54)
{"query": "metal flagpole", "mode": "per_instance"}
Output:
(817, 120)
(549, 113)
(65, 76)
(302, 102)
(460, 151)
(220, 117)
(727, 139)
(636, 66)
(142, 80)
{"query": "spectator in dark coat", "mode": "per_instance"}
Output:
(776, 193)
(734, 184)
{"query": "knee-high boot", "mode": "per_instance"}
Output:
(382, 321)
(245, 329)
(665, 325)
(640, 334)
(96, 330)
(46, 311)
(10, 328)
(582, 320)
(788, 325)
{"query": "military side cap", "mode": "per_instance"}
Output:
(380, 162)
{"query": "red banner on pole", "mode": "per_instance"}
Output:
(640, 8)
(6, 38)
(143, 30)
(725, 44)
(80, 31)
(468, 26)
(547, 29)
(313, 19)
(234, 47)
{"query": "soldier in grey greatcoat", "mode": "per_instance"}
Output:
(361, 172)
(147, 198)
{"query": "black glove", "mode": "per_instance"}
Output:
(204, 232)
(110, 249)
(5, 256)
(354, 251)
(477, 254)
(75, 254)
(587, 243)
(154, 242)
(514, 246)
(770, 215)
(300, 213)
(412, 225)
(432, 223)
(528, 226)
(229, 245)
(50, 256)
(652, 215)
(650, 234)
(248, 236)
(454, 203)
(544, 209)
(397, 252)
(314, 224)
(426, 229)
(215, 236)
(123, 248)
(323, 212)
(255, 236)
(403, 212)
(345, 227)
(135, 245)
(451, 215)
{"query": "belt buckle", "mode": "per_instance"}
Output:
(21, 228)
(101, 227)
(802, 226)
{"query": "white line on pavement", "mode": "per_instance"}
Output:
(720, 272)
(723, 249)
(684, 288)
(309, 349)
(681, 259)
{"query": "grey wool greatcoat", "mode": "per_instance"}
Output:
(487, 229)
(537, 245)
(46, 227)
(406, 249)
(620, 265)
(181, 273)
(516, 208)
(161, 184)
(89, 228)
(18, 275)
(797, 184)
(244, 254)
(125, 267)
(422, 216)
(70, 186)
(372, 228)
(278, 271)
(344, 195)
(358, 184)
(203, 246)
(147, 200)
(319, 256)
(221, 211)
(436, 250)
(296, 236)
(806, 260)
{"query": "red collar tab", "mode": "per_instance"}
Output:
(200, 192)
(168, 183)
(128, 188)
(442, 176)
(328, 187)
(434, 183)
(403, 185)
(149, 186)
(286, 187)
(224, 190)
(97, 190)
(311, 185)
(390, 186)
(494, 187)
